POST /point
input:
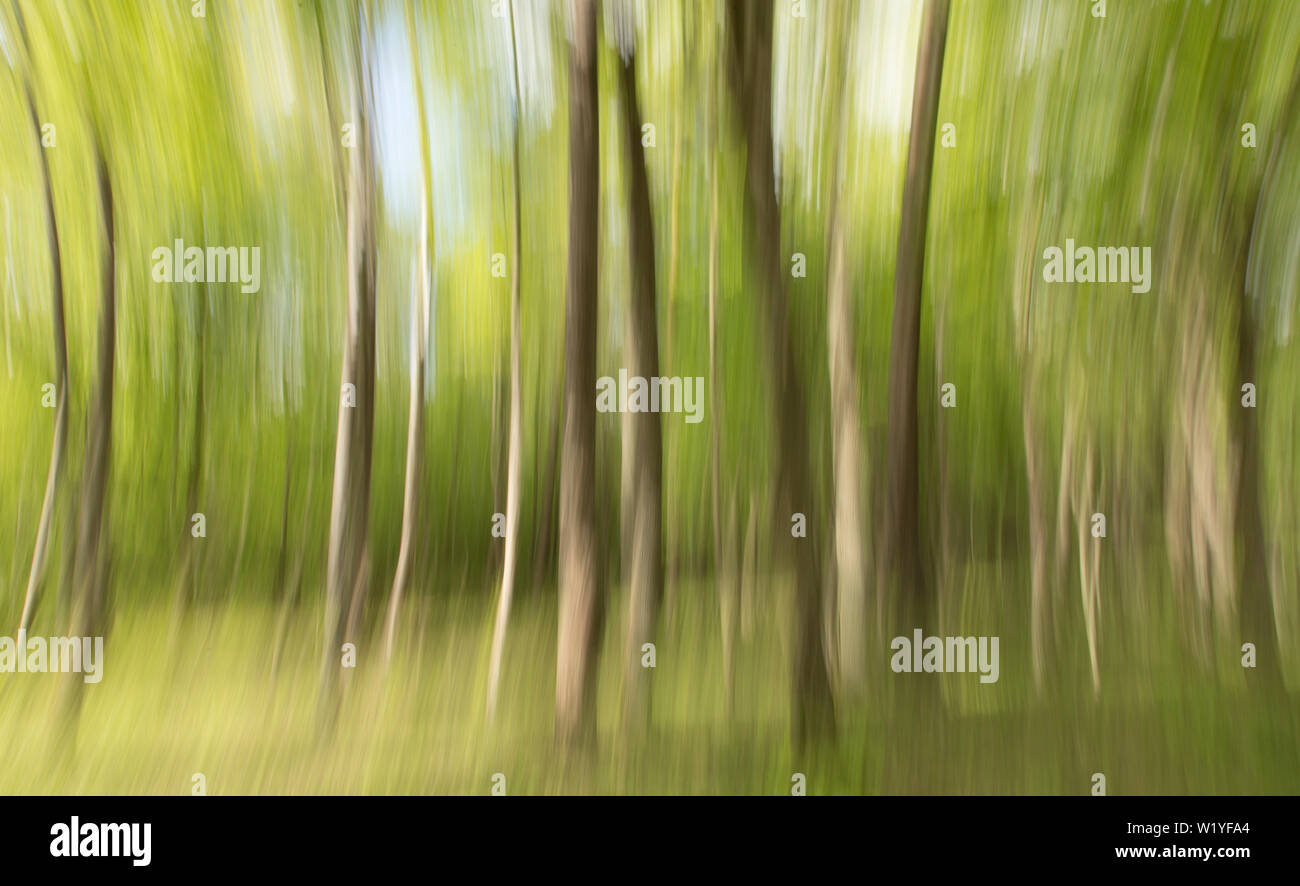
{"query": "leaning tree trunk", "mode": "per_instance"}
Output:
(901, 553)
(811, 704)
(419, 344)
(724, 561)
(59, 443)
(581, 601)
(1258, 623)
(512, 470)
(645, 554)
(349, 510)
(91, 559)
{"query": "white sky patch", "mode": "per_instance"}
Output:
(397, 136)
(888, 31)
(455, 139)
(880, 66)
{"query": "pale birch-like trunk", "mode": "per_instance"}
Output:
(59, 443)
(841, 330)
(510, 565)
(419, 345)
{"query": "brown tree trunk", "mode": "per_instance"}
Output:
(901, 555)
(349, 513)
(1258, 623)
(91, 562)
(644, 555)
(581, 593)
(725, 573)
(812, 707)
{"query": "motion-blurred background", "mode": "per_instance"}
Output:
(827, 211)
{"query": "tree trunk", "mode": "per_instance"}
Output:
(1258, 623)
(349, 512)
(645, 554)
(516, 393)
(419, 344)
(812, 707)
(901, 552)
(59, 443)
(724, 571)
(841, 330)
(91, 563)
(580, 594)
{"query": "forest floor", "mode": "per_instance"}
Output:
(198, 695)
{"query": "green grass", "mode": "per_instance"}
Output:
(199, 696)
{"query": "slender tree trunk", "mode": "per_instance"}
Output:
(841, 330)
(901, 551)
(59, 443)
(1258, 622)
(812, 707)
(645, 554)
(724, 571)
(516, 393)
(349, 513)
(91, 563)
(1038, 523)
(419, 344)
(581, 594)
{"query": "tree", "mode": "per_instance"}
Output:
(510, 565)
(91, 559)
(645, 540)
(419, 345)
(1258, 624)
(751, 79)
(841, 329)
(900, 552)
(581, 591)
(348, 558)
(724, 560)
(59, 443)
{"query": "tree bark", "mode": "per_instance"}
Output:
(812, 707)
(645, 540)
(419, 343)
(841, 330)
(516, 393)
(91, 559)
(724, 561)
(901, 552)
(59, 443)
(581, 594)
(349, 513)
(1258, 622)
